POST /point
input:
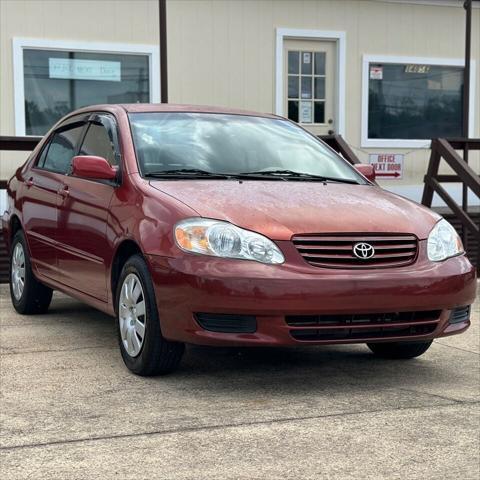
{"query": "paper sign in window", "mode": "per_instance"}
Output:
(78, 69)
(306, 112)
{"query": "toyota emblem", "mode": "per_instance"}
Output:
(364, 251)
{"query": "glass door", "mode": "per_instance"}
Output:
(310, 84)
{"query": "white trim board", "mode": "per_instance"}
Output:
(406, 143)
(18, 44)
(298, 34)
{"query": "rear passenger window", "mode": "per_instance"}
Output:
(97, 142)
(58, 154)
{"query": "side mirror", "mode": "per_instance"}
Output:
(366, 170)
(90, 166)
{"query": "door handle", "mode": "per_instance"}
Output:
(29, 182)
(64, 192)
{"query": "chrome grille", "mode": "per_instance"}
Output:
(336, 251)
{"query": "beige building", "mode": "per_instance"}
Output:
(385, 74)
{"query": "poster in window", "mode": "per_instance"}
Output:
(306, 113)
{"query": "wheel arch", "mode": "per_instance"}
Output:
(14, 225)
(124, 251)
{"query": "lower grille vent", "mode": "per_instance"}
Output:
(365, 325)
(353, 334)
(461, 314)
(218, 322)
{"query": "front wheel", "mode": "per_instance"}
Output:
(28, 295)
(143, 348)
(399, 350)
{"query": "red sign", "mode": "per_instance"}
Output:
(387, 165)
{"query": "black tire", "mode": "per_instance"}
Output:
(35, 297)
(399, 350)
(157, 356)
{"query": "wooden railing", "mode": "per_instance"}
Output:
(446, 149)
(337, 143)
(22, 144)
(19, 144)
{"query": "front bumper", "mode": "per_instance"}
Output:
(189, 284)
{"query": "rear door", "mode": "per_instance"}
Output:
(41, 192)
(84, 252)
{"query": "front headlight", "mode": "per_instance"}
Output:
(222, 239)
(443, 242)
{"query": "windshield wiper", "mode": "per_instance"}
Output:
(292, 174)
(198, 173)
(259, 175)
(187, 172)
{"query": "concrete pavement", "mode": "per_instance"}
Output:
(70, 409)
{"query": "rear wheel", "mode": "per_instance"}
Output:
(143, 348)
(28, 295)
(399, 350)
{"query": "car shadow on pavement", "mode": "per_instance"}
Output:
(289, 369)
(319, 362)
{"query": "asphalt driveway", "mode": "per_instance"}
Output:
(70, 409)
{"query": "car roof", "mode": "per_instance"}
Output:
(171, 107)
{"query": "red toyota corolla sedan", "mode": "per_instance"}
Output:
(224, 227)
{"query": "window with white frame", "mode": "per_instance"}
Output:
(411, 99)
(57, 78)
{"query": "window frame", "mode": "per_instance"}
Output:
(408, 143)
(19, 44)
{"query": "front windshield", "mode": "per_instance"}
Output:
(233, 144)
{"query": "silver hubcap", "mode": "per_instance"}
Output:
(131, 309)
(18, 271)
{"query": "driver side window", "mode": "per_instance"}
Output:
(98, 142)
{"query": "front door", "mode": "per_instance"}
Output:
(310, 84)
(83, 210)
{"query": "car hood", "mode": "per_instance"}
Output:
(281, 209)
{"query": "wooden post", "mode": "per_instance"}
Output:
(466, 103)
(162, 12)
